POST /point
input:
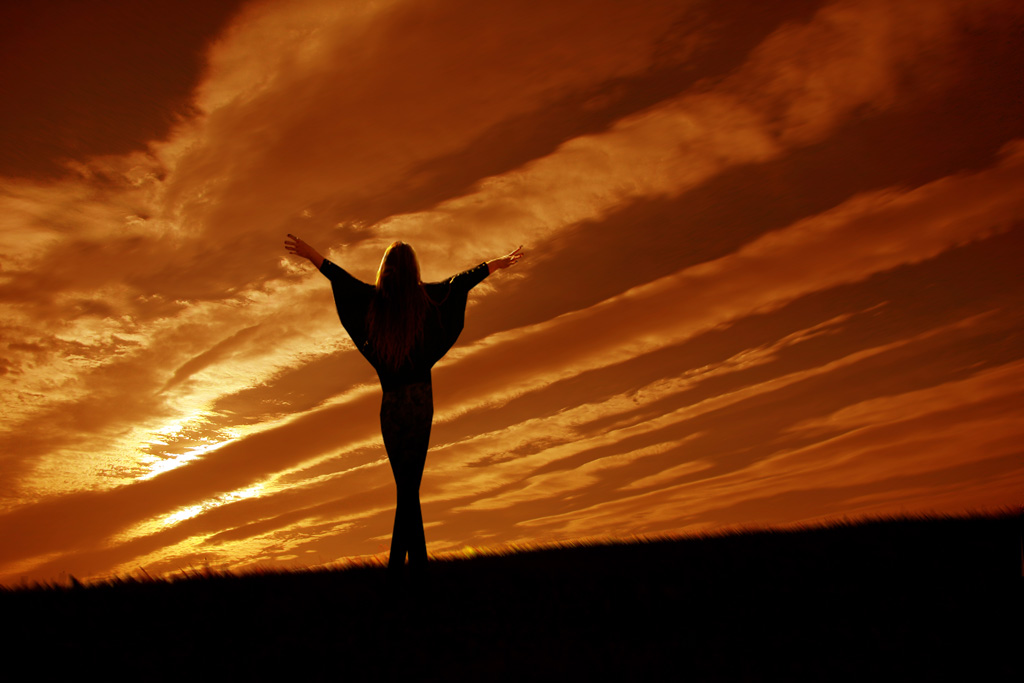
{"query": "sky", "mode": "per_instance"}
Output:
(772, 271)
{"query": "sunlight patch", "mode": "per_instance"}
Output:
(190, 511)
(190, 435)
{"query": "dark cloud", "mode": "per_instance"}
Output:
(103, 77)
(217, 352)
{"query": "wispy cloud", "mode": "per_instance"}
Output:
(175, 386)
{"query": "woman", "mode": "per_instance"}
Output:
(403, 326)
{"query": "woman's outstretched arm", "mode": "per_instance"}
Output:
(505, 261)
(296, 246)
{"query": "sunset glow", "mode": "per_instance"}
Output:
(772, 271)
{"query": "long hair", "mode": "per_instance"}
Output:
(399, 306)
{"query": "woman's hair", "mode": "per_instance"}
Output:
(399, 306)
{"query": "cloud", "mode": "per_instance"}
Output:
(350, 123)
(915, 433)
(847, 244)
(351, 101)
(849, 234)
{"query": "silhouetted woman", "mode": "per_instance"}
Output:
(403, 326)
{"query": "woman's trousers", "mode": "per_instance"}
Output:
(406, 414)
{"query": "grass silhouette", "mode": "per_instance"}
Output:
(924, 598)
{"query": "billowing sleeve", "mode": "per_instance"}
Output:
(351, 298)
(467, 280)
(339, 276)
(450, 298)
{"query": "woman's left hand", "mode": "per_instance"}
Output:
(296, 246)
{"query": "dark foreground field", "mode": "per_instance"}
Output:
(927, 599)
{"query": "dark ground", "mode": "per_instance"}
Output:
(910, 600)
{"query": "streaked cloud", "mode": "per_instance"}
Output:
(707, 330)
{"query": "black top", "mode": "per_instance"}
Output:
(441, 327)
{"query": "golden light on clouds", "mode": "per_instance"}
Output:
(772, 271)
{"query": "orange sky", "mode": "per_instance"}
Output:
(772, 274)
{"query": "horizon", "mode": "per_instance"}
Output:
(771, 274)
(468, 554)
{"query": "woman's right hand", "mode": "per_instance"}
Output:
(507, 260)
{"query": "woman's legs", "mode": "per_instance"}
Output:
(405, 417)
